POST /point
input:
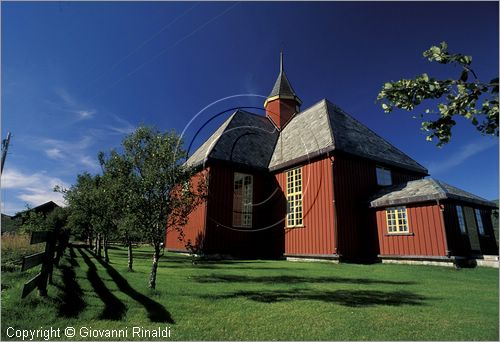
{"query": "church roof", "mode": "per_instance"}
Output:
(244, 138)
(325, 127)
(424, 190)
(253, 140)
(282, 87)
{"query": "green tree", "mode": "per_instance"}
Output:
(92, 202)
(32, 221)
(163, 182)
(102, 214)
(81, 203)
(121, 198)
(473, 99)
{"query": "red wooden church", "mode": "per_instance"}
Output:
(317, 183)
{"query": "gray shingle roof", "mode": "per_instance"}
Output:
(253, 140)
(325, 126)
(423, 190)
(306, 133)
(282, 86)
(244, 138)
(352, 136)
(201, 154)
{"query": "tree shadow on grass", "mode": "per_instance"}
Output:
(350, 298)
(72, 257)
(71, 302)
(286, 279)
(156, 312)
(114, 309)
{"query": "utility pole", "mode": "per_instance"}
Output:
(5, 148)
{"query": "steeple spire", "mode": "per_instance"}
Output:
(282, 102)
(281, 61)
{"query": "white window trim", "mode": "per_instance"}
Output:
(384, 176)
(246, 214)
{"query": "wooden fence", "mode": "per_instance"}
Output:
(55, 243)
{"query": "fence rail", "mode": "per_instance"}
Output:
(55, 243)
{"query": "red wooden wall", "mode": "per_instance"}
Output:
(264, 239)
(317, 235)
(488, 241)
(195, 228)
(427, 235)
(280, 111)
(355, 181)
(459, 243)
(350, 186)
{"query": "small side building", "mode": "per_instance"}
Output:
(429, 221)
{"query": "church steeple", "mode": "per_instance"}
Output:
(281, 62)
(282, 102)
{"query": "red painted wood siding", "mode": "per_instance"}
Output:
(427, 227)
(317, 235)
(195, 228)
(459, 243)
(355, 181)
(263, 239)
(488, 241)
(280, 111)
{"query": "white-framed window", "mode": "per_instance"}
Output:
(479, 221)
(384, 176)
(461, 220)
(294, 198)
(242, 200)
(397, 220)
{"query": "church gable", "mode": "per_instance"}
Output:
(245, 138)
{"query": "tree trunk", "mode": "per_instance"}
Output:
(99, 245)
(154, 268)
(106, 256)
(130, 256)
(96, 243)
(89, 240)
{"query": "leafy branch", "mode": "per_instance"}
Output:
(474, 100)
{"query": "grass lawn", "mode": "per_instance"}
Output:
(259, 300)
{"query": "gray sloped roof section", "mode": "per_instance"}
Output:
(244, 138)
(306, 133)
(282, 86)
(325, 126)
(253, 140)
(201, 154)
(424, 190)
(459, 194)
(248, 139)
(353, 137)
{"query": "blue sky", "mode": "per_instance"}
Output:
(78, 77)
